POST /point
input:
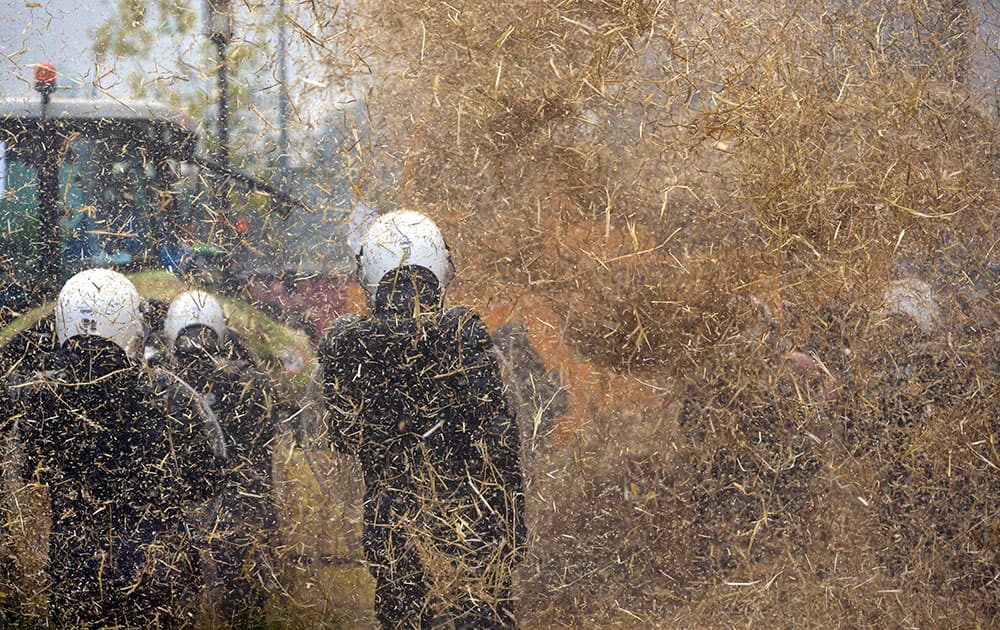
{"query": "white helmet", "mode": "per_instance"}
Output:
(191, 308)
(102, 303)
(402, 238)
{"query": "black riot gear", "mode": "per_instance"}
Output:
(121, 449)
(415, 392)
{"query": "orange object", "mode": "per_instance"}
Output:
(45, 77)
(242, 225)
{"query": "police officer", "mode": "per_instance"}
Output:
(239, 521)
(121, 449)
(414, 391)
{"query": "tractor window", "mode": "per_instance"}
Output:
(106, 189)
(18, 214)
(192, 222)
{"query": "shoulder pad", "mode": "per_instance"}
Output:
(33, 348)
(165, 383)
(179, 397)
(344, 329)
(25, 387)
(345, 323)
(467, 326)
(454, 317)
(158, 379)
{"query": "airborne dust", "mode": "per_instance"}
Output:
(742, 258)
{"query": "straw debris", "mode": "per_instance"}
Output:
(719, 201)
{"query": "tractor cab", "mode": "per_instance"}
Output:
(85, 184)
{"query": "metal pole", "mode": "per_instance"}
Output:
(48, 195)
(48, 183)
(223, 131)
(220, 29)
(282, 97)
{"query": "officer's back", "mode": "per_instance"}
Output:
(423, 380)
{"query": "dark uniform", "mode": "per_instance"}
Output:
(121, 449)
(419, 400)
(33, 349)
(240, 520)
(10, 595)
